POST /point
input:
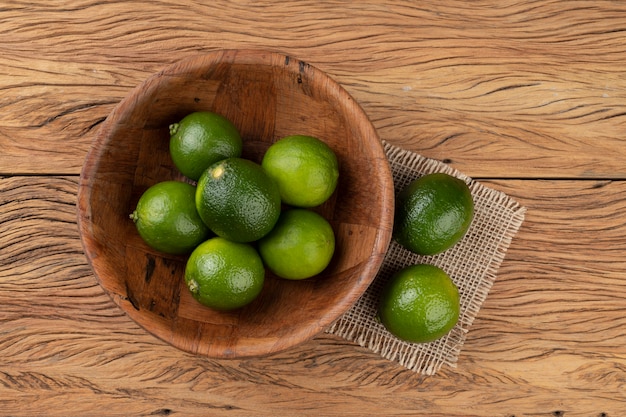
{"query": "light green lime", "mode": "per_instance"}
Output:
(305, 169)
(300, 246)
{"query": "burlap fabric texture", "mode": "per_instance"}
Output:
(472, 264)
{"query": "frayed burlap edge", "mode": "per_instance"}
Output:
(472, 264)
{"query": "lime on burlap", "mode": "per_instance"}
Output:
(472, 264)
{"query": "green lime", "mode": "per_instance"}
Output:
(224, 275)
(419, 304)
(200, 139)
(433, 213)
(300, 246)
(167, 220)
(237, 200)
(305, 169)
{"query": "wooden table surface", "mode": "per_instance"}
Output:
(529, 97)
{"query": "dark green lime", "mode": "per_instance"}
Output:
(201, 139)
(224, 275)
(419, 304)
(167, 220)
(433, 213)
(237, 200)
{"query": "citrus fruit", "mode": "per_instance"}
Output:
(237, 200)
(167, 220)
(200, 139)
(300, 246)
(305, 169)
(419, 304)
(433, 213)
(224, 275)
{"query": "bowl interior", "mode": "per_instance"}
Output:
(267, 96)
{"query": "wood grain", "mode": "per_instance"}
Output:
(553, 326)
(532, 88)
(528, 95)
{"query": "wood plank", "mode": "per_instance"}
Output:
(527, 89)
(548, 341)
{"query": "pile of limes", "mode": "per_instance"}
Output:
(420, 303)
(241, 216)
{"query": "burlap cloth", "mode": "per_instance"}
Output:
(472, 264)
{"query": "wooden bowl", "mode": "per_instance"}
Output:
(267, 96)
